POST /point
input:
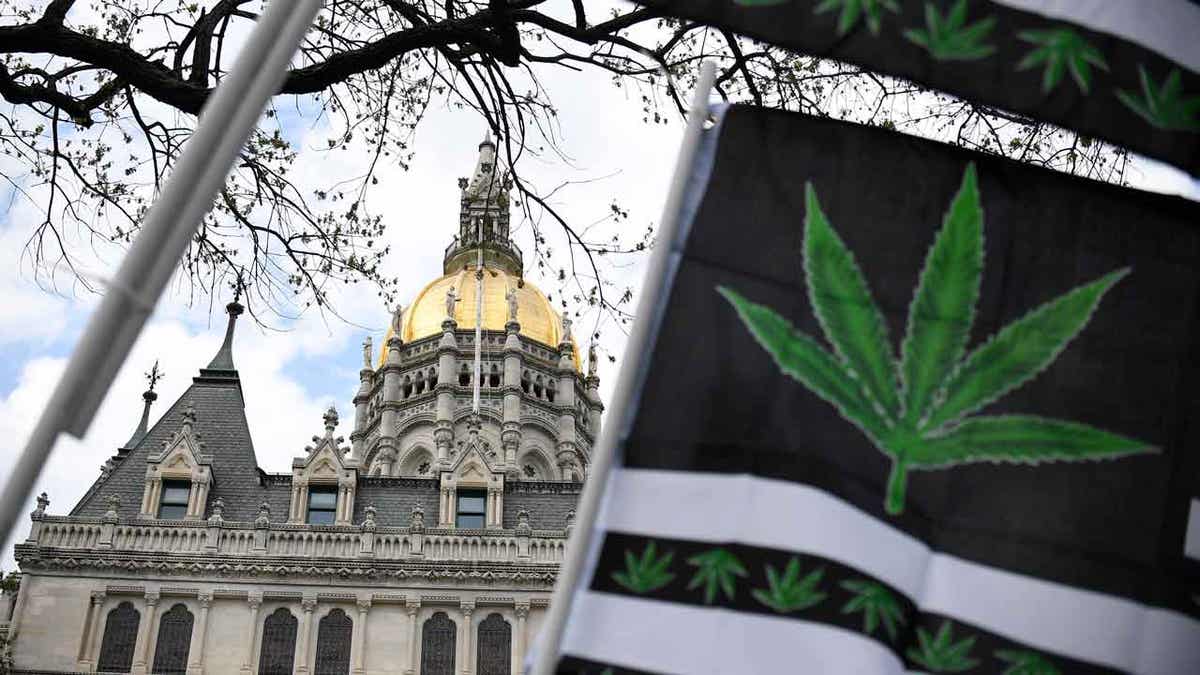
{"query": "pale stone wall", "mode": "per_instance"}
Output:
(59, 629)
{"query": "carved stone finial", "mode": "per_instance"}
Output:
(593, 360)
(397, 320)
(369, 517)
(106, 468)
(264, 515)
(513, 305)
(566, 328)
(331, 421)
(451, 303)
(42, 502)
(218, 508)
(367, 349)
(114, 506)
(189, 415)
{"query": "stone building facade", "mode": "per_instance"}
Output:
(426, 545)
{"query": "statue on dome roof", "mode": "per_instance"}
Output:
(513, 305)
(451, 302)
(397, 320)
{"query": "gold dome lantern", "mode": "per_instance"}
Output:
(423, 317)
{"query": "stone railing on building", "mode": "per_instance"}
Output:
(277, 540)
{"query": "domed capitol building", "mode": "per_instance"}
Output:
(427, 545)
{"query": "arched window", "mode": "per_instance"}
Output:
(494, 376)
(550, 390)
(408, 387)
(278, 644)
(437, 645)
(494, 655)
(464, 376)
(525, 384)
(333, 644)
(420, 385)
(120, 635)
(174, 638)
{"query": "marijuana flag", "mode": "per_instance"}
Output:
(1124, 71)
(907, 408)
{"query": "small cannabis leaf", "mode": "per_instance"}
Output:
(853, 9)
(949, 38)
(1061, 49)
(1165, 107)
(939, 654)
(647, 573)
(877, 605)
(790, 593)
(716, 568)
(1026, 662)
(916, 411)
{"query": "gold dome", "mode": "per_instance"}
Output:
(424, 316)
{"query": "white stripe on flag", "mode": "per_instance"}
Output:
(670, 638)
(1073, 622)
(1168, 27)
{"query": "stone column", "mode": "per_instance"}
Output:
(199, 633)
(468, 608)
(413, 606)
(595, 407)
(357, 653)
(522, 612)
(308, 604)
(443, 433)
(510, 434)
(391, 397)
(254, 600)
(567, 437)
(89, 629)
(142, 655)
(361, 400)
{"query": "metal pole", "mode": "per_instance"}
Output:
(225, 123)
(637, 357)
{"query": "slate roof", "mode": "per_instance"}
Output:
(216, 396)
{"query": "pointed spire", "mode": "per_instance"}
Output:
(487, 140)
(224, 358)
(148, 398)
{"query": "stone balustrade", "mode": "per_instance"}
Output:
(233, 538)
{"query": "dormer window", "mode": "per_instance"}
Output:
(174, 502)
(322, 504)
(472, 509)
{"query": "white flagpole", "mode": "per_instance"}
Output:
(637, 356)
(225, 123)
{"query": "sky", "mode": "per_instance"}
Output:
(290, 377)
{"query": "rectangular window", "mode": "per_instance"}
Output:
(174, 501)
(322, 504)
(472, 509)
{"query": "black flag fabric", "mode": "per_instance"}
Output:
(907, 409)
(1123, 70)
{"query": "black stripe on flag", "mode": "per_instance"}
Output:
(1055, 69)
(702, 574)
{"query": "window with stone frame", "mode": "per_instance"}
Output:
(471, 513)
(438, 637)
(174, 501)
(120, 636)
(278, 652)
(322, 504)
(174, 640)
(334, 632)
(494, 651)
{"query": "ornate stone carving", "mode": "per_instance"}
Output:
(451, 303)
(152, 598)
(417, 522)
(254, 599)
(397, 321)
(308, 604)
(367, 348)
(114, 507)
(205, 599)
(369, 517)
(523, 526)
(98, 597)
(364, 604)
(42, 502)
(513, 305)
(218, 508)
(264, 515)
(521, 609)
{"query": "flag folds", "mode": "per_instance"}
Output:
(907, 409)
(1127, 72)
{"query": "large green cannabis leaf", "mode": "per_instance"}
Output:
(715, 568)
(872, 10)
(916, 411)
(1026, 662)
(877, 604)
(940, 654)
(1166, 106)
(647, 573)
(790, 593)
(949, 38)
(1061, 49)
